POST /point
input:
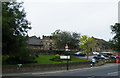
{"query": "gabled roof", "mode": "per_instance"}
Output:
(99, 40)
(34, 41)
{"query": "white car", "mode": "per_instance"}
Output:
(80, 54)
(95, 53)
(100, 57)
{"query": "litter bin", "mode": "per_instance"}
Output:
(117, 60)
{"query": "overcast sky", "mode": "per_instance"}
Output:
(88, 17)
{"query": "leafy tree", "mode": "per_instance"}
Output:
(111, 44)
(87, 43)
(63, 37)
(14, 32)
(116, 39)
(14, 27)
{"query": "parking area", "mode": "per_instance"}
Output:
(100, 56)
(85, 57)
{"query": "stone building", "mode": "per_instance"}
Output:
(101, 45)
(35, 43)
(48, 42)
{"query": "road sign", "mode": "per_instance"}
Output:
(66, 46)
(64, 57)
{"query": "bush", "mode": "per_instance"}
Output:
(66, 53)
(56, 58)
(26, 57)
(4, 58)
(20, 57)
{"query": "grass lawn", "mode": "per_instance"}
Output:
(45, 59)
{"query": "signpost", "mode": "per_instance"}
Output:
(66, 49)
(65, 57)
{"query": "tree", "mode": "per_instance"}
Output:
(87, 43)
(111, 44)
(14, 27)
(63, 37)
(116, 39)
(14, 32)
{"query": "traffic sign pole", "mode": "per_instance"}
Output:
(66, 49)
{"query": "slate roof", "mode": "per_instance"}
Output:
(34, 41)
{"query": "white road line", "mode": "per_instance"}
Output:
(113, 73)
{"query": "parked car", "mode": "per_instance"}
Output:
(104, 53)
(95, 53)
(110, 56)
(113, 56)
(106, 56)
(118, 57)
(80, 54)
(98, 57)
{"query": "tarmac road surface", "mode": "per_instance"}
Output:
(108, 70)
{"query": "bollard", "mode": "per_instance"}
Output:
(19, 66)
(91, 65)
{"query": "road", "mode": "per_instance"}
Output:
(105, 70)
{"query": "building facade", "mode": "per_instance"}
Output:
(101, 45)
(49, 43)
(46, 43)
(34, 43)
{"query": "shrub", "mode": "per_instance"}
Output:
(4, 58)
(20, 57)
(56, 58)
(66, 53)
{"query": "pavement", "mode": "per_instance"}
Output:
(59, 71)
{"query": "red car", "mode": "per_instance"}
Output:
(118, 57)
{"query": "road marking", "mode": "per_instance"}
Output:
(113, 73)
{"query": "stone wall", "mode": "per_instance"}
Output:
(42, 67)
